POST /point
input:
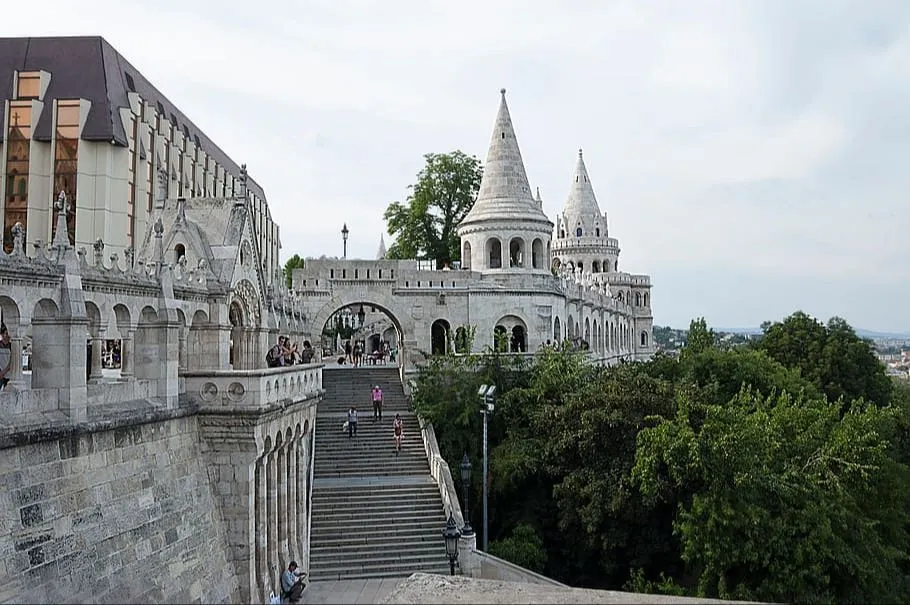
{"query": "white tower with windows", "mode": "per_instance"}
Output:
(581, 241)
(506, 230)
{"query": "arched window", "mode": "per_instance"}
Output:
(562, 233)
(537, 254)
(180, 252)
(595, 267)
(647, 302)
(501, 339)
(578, 232)
(644, 339)
(597, 231)
(616, 265)
(466, 255)
(494, 253)
(517, 252)
(557, 331)
(439, 337)
(581, 266)
(638, 299)
(518, 343)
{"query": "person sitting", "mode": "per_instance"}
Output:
(292, 583)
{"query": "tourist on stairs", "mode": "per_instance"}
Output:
(377, 403)
(352, 422)
(398, 428)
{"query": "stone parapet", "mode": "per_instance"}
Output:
(253, 389)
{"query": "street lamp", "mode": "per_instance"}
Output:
(486, 396)
(361, 315)
(344, 237)
(467, 530)
(451, 535)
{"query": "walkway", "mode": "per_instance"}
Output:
(362, 590)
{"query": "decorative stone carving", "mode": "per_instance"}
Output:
(99, 253)
(18, 232)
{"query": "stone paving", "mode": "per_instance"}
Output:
(369, 590)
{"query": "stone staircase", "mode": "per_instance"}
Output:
(374, 514)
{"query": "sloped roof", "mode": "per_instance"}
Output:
(581, 201)
(88, 67)
(504, 190)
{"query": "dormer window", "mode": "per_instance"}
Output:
(29, 85)
(578, 232)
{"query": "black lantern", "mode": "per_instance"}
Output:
(467, 530)
(451, 535)
(344, 238)
(361, 315)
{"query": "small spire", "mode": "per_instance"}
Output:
(61, 235)
(580, 153)
(382, 251)
(502, 91)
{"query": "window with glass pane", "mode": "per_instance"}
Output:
(66, 151)
(29, 85)
(18, 140)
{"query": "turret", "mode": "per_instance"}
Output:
(581, 238)
(506, 229)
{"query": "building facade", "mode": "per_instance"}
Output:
(522, 281)
(79, 119)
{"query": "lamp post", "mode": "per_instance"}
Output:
(344, 238)
(361, 315)
(486, 396)
(467, 530)
(451, 536)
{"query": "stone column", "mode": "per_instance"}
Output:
(97, 344)
(260, 503)
(272, 519)
(182, 355)
(126, 354)
(283, 504)
(303, 478)
(293, 542)
(15, 363)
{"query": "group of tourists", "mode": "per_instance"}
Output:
(287, 353)
(376, 397)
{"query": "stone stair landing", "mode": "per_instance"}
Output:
(375, 513)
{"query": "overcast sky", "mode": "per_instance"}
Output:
(752, 156)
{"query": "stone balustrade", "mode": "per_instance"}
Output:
(254, 389)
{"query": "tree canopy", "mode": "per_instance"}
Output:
(425, 226)
(767, 473)
(295, 262)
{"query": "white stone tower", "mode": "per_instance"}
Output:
(506, 229)
(581, 240)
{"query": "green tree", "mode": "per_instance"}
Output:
(295, 262)
(837, 361)
(425, 227)
(524, 547)
(699, 338)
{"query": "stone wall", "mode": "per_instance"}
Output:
(112, 514)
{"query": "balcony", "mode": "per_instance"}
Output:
(253, 389)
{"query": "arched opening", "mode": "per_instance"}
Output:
(570, 328)
(236, 318)
(46, 370)
(594, 336)
(647, 300)
(519, 341)
(578, 232)
(644, 339)
(11, 350)
(581, 267)
(494, 253)
(597, 231)
(537, 254)
(516, 252)
(606, 266)
(595, 267)
(638, 299)
(616, 265)
(562, 233)
(439, 337)
(466, 255)
(361, 333)
(147, 346)
(199, 351)
(587, 330)
(179, 252)
(94, 349)
(500, 339)
(557, 331)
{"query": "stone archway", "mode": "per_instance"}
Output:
(333, 346)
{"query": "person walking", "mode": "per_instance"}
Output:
(398, 429)
(377, 403)
(352, 422)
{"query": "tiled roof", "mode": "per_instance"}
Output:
(87, 67)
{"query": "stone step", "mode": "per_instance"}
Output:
(367, 465)
(403, 539)
(327, 491)
(369, 500)
(391, 511)
(390, 552)
(381, 569)
(362, 473)
(428, 522)
(411, 533)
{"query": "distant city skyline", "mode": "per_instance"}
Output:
(749, 155)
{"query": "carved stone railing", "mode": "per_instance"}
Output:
(253, 389)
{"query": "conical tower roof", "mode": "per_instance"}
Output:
(581, 201)
(504, 190)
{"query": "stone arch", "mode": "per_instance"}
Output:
(439, 337)
(385, 303)
(9, 319)
(500, 339)
(587, 330)
(517, 252)
(179, 252)
(570, 328)
(494, 253)
(594, 341)
(638, 299)
(557, 331)
(537, 254)
(466, 255)
(595, 267)
(644, 338)
(515, 330)
(146, 345)
(646, 300)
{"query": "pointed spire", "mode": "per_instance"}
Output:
(382, 251)
(61, 234)
(581, 203)
(538, 199)
(504, 190)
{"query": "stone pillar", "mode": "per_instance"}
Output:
(126, 354)
(272, 519)
(15, 363)
(293, 542)
(181, 365)
(303, 479)
(283, 504)
(260, 506)
(97, 344)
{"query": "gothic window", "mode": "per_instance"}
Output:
(494, 253)
(597, 231)
(578, 232)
